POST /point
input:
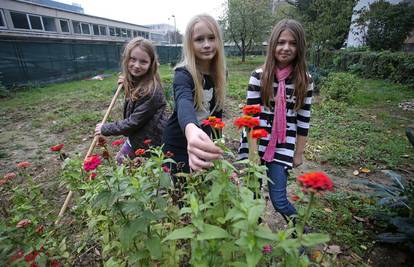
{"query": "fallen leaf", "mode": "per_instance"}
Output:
(359, 219)
(97, 252)
(316, 255)
(363, 247)
(364, 170)
(356, 172)
(405, 156)
(334, 249)
(327, 210)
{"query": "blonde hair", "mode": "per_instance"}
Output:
(217, 66)
(301, 79)
(136, 88)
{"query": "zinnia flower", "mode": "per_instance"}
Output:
(57, 148)
(40, 229)
(318, 181)
(139, 152)
(246, 121)
(54, 263)
(252, 109)
(92, 176)
(294, 197)
(259, 133)
(31, 256)
(23, 223)
(91, 163)
(267, 249)
(102, 141)
(118, 142)
(23, 164)
(9, 176)
(17, 255)
(147, 141)
(105, 154)
(214, 122)
(166, 169)
(169, 154)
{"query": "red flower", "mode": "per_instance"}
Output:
(17, 255)
(31, 256)
(118, 142)
(318, 181)
(33, 264)
(252, 109)
(9, 176)
(267, 249)
(23, 164)
(102, 141)
(92, 176)
(57, 148)
(139, 152)
(40, 229)
(259, 133)
(294, 197)
(246, 121)
(169, 154)
(91, 163)
(105, 154)
(54, 263)
(166, 169)
(214, 122)
(23, 223)
(147, 141)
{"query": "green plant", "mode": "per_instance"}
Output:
(339, 86)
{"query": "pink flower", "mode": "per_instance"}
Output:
(92, 176)
(267, 249)
(166, 169)
(57, 148)
(23, 164)
(23, 223)
(118, 142)
(91, 163)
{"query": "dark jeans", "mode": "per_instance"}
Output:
(278, 174)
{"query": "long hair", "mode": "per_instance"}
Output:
(300, 77)
(217, 66)
(136, 88)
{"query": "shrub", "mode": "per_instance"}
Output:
(339, 86)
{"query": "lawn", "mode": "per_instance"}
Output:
(366, 133)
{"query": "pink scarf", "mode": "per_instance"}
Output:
(279, 119)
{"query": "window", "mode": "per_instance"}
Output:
(2, 21)
(85, 28)
(49, 24)
(112, 31)
(129, 33)
(95, 29)
(135, 33)
(76, 27)
(123, 32)
(118, 32)
(64, 25)
(35, 22)
(19, 20)
(102, 30)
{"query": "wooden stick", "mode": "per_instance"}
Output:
(92, 146)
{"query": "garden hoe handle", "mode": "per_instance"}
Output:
(95, 139)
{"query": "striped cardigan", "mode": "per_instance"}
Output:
(297, 122)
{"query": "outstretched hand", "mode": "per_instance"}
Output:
(201, 150)
(98, 129)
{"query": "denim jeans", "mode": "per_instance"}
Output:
(278, 174)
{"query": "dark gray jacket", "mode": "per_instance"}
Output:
(143, 119)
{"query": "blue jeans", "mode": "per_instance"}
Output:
(278, 174)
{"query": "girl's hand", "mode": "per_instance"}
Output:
(120, 79)
(98, 129)
(297, 160)
(201, 150)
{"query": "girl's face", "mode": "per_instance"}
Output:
(139, 62)
(204, 42)
(286, 50)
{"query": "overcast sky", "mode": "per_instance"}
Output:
(151, 11)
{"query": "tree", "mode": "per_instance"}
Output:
(387, 25)
(247, 23)
(326, 22)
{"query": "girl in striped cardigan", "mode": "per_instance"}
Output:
(283, 89)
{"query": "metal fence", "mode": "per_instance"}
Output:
(27, 62)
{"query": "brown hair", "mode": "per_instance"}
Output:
(217, 66)
(136, 88)
(301, 79)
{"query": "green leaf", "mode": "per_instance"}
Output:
(254, 214)
(265, 233)
(182, 233)
(131, 230)
(310, 240)
(165, 180)
(154, 247)
(253, 257)
(212, 232)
